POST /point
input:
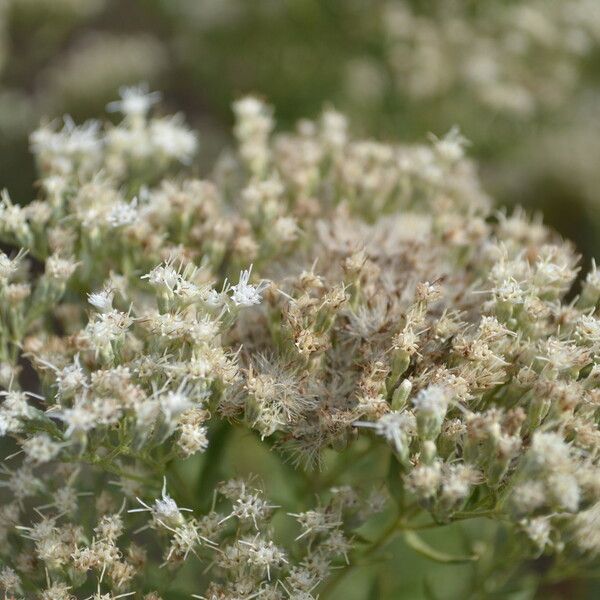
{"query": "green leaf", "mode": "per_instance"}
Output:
(394, 481)
(423, 548)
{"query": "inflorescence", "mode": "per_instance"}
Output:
(341, 299)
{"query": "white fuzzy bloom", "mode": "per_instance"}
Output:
(135, 101)
(587, 530)
(185, 539)
(548, 449)
(244, 293)
(564, 491)
(302, 580)
(123, 213)
(203, 330)
(9, 423)
(334, 129)
(40, 448)
(251, 507)
(8, 267)
(9, 580)
(173, 139)
(174, 403)
(7, 374)
(164, 510)
(60, 269)
(249, 107)
(106, 327)
(451, 148)
(424, 480)
(254, 123)
(102, 300)
(71, 142)
(538, 530)
(529, 496)
(509, 291)
(193, 438)
(456, 483)
(129, 142)
(13, 410)
(216, 299)
(285, 229)
(432, 400)
(314, 522)
(265, 554)
(163, 275)
(588, 330)
(254, 120)
(22, 483)
(71, 378)
(79, 418)
(13, 217)
(394, 426)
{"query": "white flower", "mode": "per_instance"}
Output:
(424, 480)
(538, 530)
(249, 107)
(315, 521)
(432, 400)
(70, 378)
(13, 409)
(9, 266)
(135, 101)
(9, 580)
(80, 418)
(193, 438)
(245, 294)
(9, 423)
(171, 137)
(265, 554)
(334, 128)
(394, 427)
(451, 147)
(40, 448)
(185, 539)
(71, 140)
(285, 229)
(164, 274)
(548, 449)
(102, 300)
(173, 403)
(203, 330)
(564, 491)
(123, 213)
(216, 299)
(164, 510)
(59, 268)
(106, 328)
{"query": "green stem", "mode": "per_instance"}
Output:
(209, 473)
(386, 536)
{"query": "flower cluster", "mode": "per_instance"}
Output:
(337, 301)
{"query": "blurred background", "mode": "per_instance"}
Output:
(521, 78)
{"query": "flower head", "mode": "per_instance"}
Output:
(244, 293)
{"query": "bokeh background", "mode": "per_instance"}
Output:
(521, 78)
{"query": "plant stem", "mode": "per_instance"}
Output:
(386, 536)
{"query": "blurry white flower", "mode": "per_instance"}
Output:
(135, 101)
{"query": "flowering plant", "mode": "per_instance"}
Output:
(347, 304)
